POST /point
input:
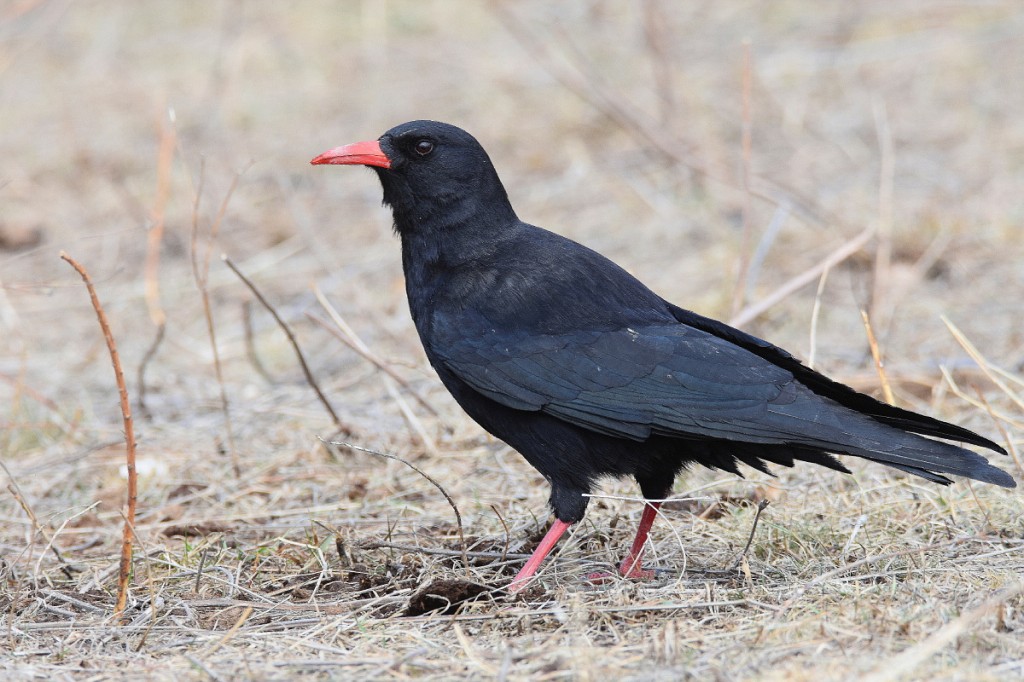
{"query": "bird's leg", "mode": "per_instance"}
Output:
(630, 566)
(543, 549)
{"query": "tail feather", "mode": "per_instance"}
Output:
(934, 457)
(867, 438)
(823, 386)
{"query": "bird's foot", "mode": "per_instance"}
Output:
(629, 569)
(637, 573)
(604, 577)
(599, 577)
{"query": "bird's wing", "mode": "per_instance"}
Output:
(833, 390)
(675, 380)
(666, 379)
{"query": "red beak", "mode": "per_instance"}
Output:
(360, 153)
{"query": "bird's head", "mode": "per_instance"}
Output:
(431, 173)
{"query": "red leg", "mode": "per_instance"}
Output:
(543, 549)
(630, 566)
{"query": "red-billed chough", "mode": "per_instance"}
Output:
(572, 361)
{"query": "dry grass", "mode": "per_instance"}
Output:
(619, 124)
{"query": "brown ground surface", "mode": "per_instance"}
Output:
(618, 124)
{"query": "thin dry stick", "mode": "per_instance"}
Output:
(983, 364)
(347, 335)
(877, 355)
(19, 385)
(907, 661)
(854, 565)
(508, 537)
(753, 529)
(199, 570)
(385, 455)
(815, 311)
(165, 157)
(356, 344)
(150, 353)
(201, 276)
(803, 279)
(37, 528)
(232, 632)
(959, 393)
(748, 228)
(310, 379)
(1002, 430)
(124, 570)
(250, 343)
(883, 246)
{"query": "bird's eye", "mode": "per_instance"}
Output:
(424, 147)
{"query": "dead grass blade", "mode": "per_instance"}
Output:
(798, 282)
(960, 393)
(876, 354)
(743, 266)
(37, 528)
(993, 373)
(815, 313)
(905, 662)
(1010, 445)
(881, 307)
(154, 240)
(124, 571)
(246, 612)
(201, 276)
(349, 337)
(385, 455)
(310, 379)
(761, 506)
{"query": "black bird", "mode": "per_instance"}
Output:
(572, 361)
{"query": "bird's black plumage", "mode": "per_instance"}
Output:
(586, 372)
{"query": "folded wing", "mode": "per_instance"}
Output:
(675, 380)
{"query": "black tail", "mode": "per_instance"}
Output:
(883, 413)
(867, 436)
(929, 461)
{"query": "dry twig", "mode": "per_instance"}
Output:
(901, 664)
(124, 571)
(451, 502)
(745, 136)
(154, 240)
(349, 337)
(798, 282)
(876, 354)
(310, 379)
(201, 276)
(761, 506)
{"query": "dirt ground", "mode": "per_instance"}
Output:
(784, 165)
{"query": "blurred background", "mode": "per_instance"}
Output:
(730, 154)
(717, 150)
(620, 124)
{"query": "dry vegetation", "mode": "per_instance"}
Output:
(620, 124)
